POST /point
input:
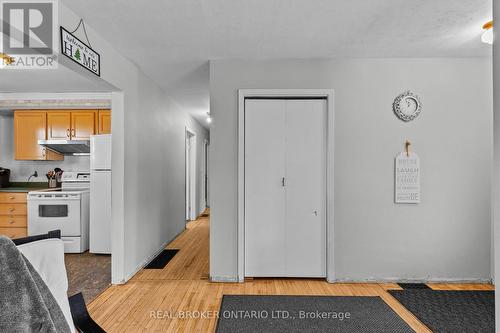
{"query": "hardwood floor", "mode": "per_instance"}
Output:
(168, 300)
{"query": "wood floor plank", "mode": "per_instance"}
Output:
(179, 298)
(460, 286)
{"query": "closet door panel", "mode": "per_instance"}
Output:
(264, 191)
(306, 188)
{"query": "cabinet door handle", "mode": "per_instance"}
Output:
(283, 181)
(12, 197)
(11, 209)
(68, 133)
(73, 132)
(44, 152)
(11, 222)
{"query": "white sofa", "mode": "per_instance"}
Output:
(47, 257)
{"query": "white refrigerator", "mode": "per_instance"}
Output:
(100, 194)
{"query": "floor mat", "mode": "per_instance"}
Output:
(451, 311)
(290, 314)
(413, 286)
(88, 273)
(161, 260)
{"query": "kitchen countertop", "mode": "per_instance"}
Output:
(24, 187)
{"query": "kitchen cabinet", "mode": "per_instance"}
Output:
(58, 125)
(83, 125)
(29, 127)
(33, 125)
(14, 233)
(71, 124)
(13, 209)
(13, 215)
(104, 122)
(12, 197)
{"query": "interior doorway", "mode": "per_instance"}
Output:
(190, 175)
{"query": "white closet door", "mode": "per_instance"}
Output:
(305, 225)
(264, 193)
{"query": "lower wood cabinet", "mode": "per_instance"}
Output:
(13, 215)
(13, 209)
(12, 221)
(14, 197)
(14, 233)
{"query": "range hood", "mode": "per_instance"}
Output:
(67, 147)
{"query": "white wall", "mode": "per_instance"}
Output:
(21, 170)
(446, 236)
(155, 170)
(148, 157)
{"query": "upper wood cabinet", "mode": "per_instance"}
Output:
(58, 125)
(29, 127)
(83, 125)
(71, 124)
(33, 125)
(104, 122)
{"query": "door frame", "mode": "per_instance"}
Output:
(288, 93)
(191, 169)
(206, 145)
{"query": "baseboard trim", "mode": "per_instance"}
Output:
(148, 259)
(233, 279)
(222, 278)
(413, 280)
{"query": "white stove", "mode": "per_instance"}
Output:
(65, 208)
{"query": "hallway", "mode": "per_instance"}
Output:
(180, 298)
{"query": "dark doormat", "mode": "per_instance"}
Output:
(161, 260)
(290, 314)
(406, 286)
(451, 311)
(88, 273)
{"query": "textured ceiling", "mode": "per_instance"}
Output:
(176, 38)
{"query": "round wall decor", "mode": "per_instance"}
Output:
(407, 106)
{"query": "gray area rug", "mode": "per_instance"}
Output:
(446, 311)
(88, 273)
(289, 314)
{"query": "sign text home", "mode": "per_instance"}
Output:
(80, 52)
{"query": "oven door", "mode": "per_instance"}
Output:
(54, 211)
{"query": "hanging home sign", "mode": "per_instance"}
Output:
(407, 178)
(80, 52)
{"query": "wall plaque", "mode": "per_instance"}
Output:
(407, 178)
(80, 52)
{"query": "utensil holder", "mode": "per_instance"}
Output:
(52, 183)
